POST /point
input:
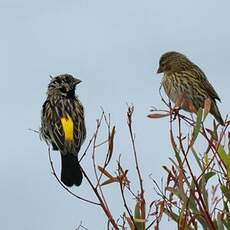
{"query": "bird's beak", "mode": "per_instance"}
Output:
(77, 81)
(159, 70)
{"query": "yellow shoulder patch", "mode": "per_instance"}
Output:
(67, 124)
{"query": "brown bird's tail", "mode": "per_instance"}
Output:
(71, 171)
(216, 113)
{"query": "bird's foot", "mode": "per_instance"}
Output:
(175, 112)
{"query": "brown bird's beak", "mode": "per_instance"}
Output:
(159, 70)
(77, 81)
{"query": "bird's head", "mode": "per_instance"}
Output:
(173, 62)
(63, 85)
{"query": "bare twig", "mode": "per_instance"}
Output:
(63, 186)
(142, 198)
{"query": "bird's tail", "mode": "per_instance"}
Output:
(216, 113)
(71, 171)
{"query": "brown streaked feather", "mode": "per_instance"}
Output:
(203, 82)
(183, 77)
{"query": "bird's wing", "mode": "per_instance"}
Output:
(63, 125)
(205, 84)
(52, 129)
(79, 125)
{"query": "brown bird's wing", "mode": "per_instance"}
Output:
(205, 84)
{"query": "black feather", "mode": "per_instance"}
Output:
(71, 171)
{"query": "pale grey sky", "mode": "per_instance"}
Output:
(114, 48)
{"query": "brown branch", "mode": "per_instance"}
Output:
(103, 206)
(63, 186)
(98, 178)
(87, 148)
(142, 199)
(123, 196)
(99, 194)
(203, 208)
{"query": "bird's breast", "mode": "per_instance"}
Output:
(68, 127)
(170, 87)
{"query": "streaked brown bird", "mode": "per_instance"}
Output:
(186, 82)
(63, 125)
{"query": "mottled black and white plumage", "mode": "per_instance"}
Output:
(63, 125)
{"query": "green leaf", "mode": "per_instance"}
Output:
(202, 185)
(220, 225)
(205, 178)
(175, 192)
(226, 207)
(174, 163)
(172, 215)
(197, 158)
(192, 204)
(179, 159)
(223, 155)
(139, 221)
(202, 221)
(191, 201)
(225, 158)
(214, 133)
(226, 224)
(196, 129)
(227, 219)
(226, 192)
(229, 143)
(137, 213)
(176, 218)
(110, 145)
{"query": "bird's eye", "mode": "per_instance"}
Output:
(63, 89)
(163, 65)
